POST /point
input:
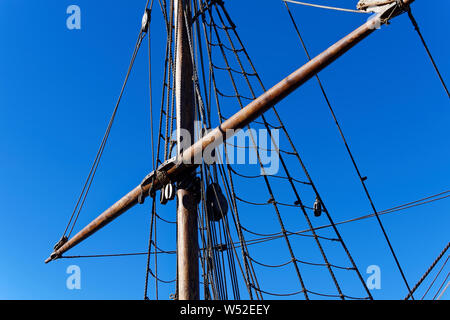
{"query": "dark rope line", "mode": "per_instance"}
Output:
(171, 105)
(87, 185)
(279, 294)
(436, 277)
(398, 208)
(444, 290)
(234, 96)
(210, 274)
(313, 236)
(416, 27)
(163, 7)
(206, 274)
(324, 294)
(151, 93)
(226, 232)
(163, 251)
(261, 234)
(325, 7)
(159, 279)
(259, 148)
(274, 236)
(443, 282)
(169, 88)
(213, 257)
(147, 3)
(224, 118)
(225, 29)
(234, 70)
(388, 211)
(271, 201)
(212, 77)
(299, 261)
(322, 264)
(266, 180)
(284, 165)
(228, 237)
(155, 256)
(213, 25)
(358, 298)
(202, 64)
(298, 157)
(254, 203)
(428, 271)
(278, 235)
(210, 271)
(336, 296)
(260, 176)
(248, 264)
(153, 213)
(109, 255)
(230, 200)
(361, 178)
(231, 259)
(269, 124)
(249, 267)
(218, 267)
(164, 220)
(268, 265)
(295, 206)
(224, 46)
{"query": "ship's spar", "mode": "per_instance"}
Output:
(177, 169)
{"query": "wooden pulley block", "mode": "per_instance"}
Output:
(317, 208)
(216, 202)
(145, 20)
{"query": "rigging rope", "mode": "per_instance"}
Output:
(226, 232)
(439, 290)
(416, 27)
(249, 271)
(435, 278)
(294, 152)
(428, 271)
(87, 185)
(150, 87)
(150, 241)
(443, 291)
(361, 178)
(232, 27)
(218, 235)
(325, 7)
(269, 237)
(215, 28)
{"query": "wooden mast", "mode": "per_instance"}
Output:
(239, 120)
(187, 233)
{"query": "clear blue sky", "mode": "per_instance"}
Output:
(58, 88)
